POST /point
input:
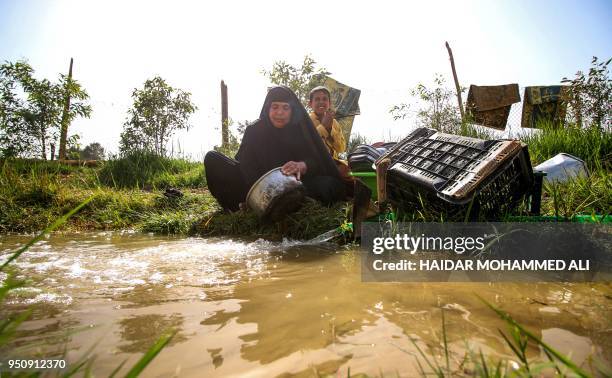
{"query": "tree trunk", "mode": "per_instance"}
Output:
(450, 54)
(162, 144)
(65, 117)
(43, 142)
(224, 117)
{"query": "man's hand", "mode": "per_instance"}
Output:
(294, 168)
(328, 118)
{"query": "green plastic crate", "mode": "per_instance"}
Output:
(368, 178)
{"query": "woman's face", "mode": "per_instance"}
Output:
(280, 114)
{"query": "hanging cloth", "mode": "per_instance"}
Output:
(544, 104)
(490, 105)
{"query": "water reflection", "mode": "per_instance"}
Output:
(216, 357)
(142, 331)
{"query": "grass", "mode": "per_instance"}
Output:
(311, 220)
(147, 170)
(441, 363)
(582, 195)
(355, 140)
(35, 193)
(469, 130)
(590, 144)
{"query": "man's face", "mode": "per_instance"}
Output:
(280, 114)
(319, 103)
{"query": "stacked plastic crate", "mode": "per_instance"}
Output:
(361, 162)
(457, 174)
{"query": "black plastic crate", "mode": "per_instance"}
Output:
(449, 172)
(363, 158)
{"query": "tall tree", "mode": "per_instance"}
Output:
(157, 112)
(299, 79)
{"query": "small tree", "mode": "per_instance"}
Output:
(15, 138)
(589, 96)
(93, 151)
(437, 109)
(30, 123)
(42, 113)
(301, 79)
(157, 112)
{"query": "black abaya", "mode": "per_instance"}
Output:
(265, 147)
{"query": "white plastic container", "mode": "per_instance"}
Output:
(562, 168)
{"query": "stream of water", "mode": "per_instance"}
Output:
(267, 309)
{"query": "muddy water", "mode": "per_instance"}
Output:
(265, 309)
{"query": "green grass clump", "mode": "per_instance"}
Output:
(581, 195)
(590, 144)
(145, 169)
(169, 223)
(34, 192)
(311, 220)
(177, 215)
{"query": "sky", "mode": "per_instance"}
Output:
(384, 48)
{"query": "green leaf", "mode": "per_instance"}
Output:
(150, 355)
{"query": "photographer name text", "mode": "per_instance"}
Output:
(481, 265)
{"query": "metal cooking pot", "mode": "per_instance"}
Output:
(275, 195)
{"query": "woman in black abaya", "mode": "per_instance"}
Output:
(284, 136)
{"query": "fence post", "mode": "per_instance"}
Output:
(65, 120)
(224, 117)
(450, 54)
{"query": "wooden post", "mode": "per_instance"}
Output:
(450, 54)
(65, 120)
(224, 117)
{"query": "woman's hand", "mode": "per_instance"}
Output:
(294, 168)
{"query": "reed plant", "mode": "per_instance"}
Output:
(439, 361)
